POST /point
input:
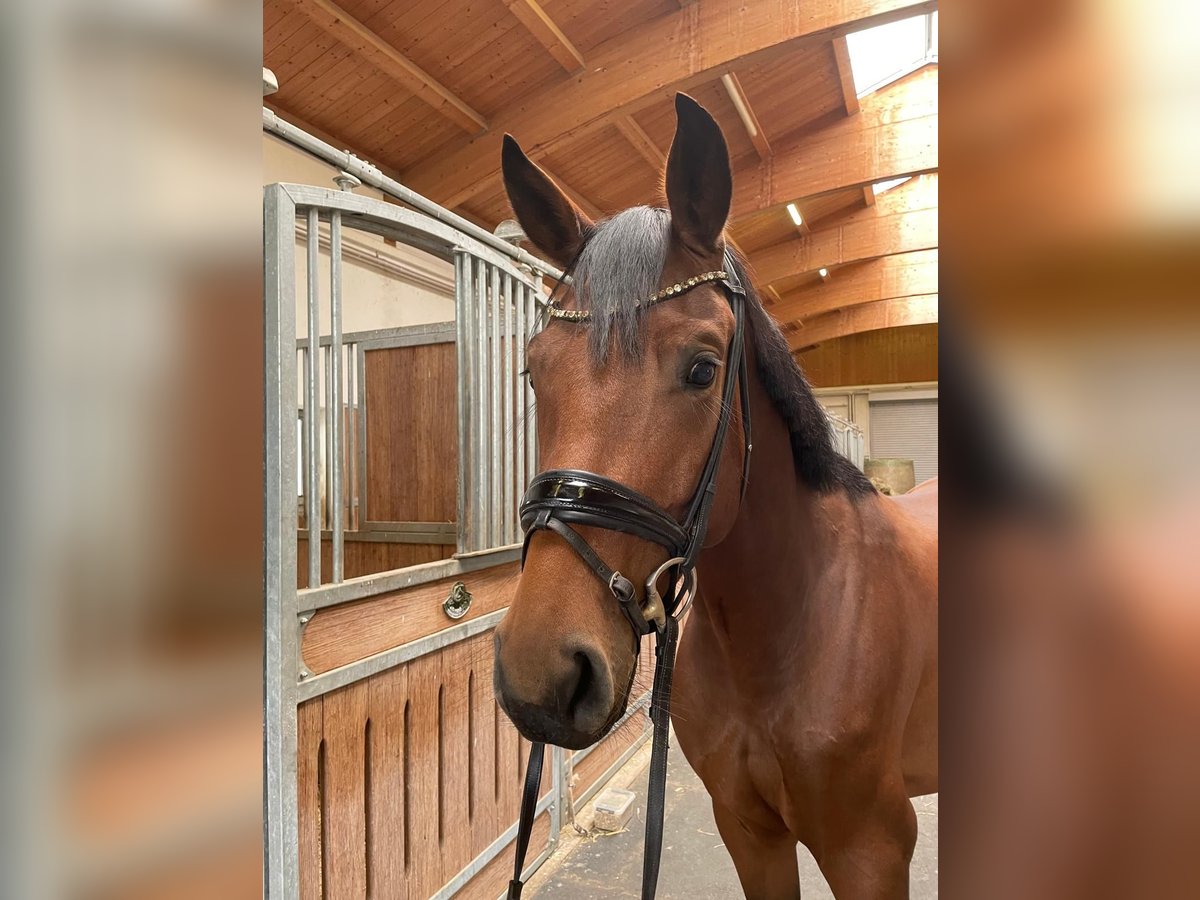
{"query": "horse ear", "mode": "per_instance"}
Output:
(556, 226)
(699, 183)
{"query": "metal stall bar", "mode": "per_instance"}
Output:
(326, 512)
(481, 489)
(360, 363)
(337, 518)
(519, 397)
(511, 427)
(531, 465)
(462, 332)
(499, 433)
(282, 645)
(351, 479)
(312, 374)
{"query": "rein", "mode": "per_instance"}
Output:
(559, 498)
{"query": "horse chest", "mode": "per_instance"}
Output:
(741, 764)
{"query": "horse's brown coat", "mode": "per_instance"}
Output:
(806, 683)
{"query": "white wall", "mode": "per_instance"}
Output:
(854, 402)
(383, 286)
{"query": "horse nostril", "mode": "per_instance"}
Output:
(585, 680)
(565, 697)
(591, 694)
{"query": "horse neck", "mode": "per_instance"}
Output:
(755, 584)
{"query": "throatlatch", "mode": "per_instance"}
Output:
(559, 498)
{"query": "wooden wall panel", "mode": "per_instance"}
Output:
(344, 815)
(422, 784)
(309, 762)
(353, 631)
(507, 769)
(412, 434)
(406, 776)
(887, 356)
(455, 764)
(486, 822)
(387, 845)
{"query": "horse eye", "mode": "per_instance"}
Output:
(703, 373)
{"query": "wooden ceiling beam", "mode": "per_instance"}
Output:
(644, 66)
(890, 277)
(841, 56)
(868, 194)
(365, 43)
(745, 111)
(890, 313)
(896, 134)
(642, 143)
(578, 198)
(905, 222)
(542, 27)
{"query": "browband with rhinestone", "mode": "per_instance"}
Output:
(674, 290)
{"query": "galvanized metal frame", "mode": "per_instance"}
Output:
(445, 533)
(281, 657)
(482, 528)
(337, 413)
(311, 599)
(312, 378)
(311, 686)
(496, 305)
(369, 174)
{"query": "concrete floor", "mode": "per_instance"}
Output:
(695, 863)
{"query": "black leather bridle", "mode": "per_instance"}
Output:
(559, 499)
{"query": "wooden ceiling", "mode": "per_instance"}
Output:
(425, 90)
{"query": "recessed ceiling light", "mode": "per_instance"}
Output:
(795, 214)
(824, 273)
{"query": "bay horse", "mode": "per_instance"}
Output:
(806, 680)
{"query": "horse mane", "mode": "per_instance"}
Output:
(622, 261)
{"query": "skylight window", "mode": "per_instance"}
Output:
(880, 55)
(880, 186)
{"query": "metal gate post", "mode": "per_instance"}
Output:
(561, 784)
(464, 333)
(281, 625)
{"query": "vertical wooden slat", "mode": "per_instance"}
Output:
(309, 727)
(385, 822)
(485, 825)
(345, 793)
(506, 771)
(425, 861)
(455, 762)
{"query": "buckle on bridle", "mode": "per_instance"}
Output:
(654, 609)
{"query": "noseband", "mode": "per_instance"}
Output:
(558, 499)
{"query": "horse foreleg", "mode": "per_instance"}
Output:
(765, 859)
(867, 854)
